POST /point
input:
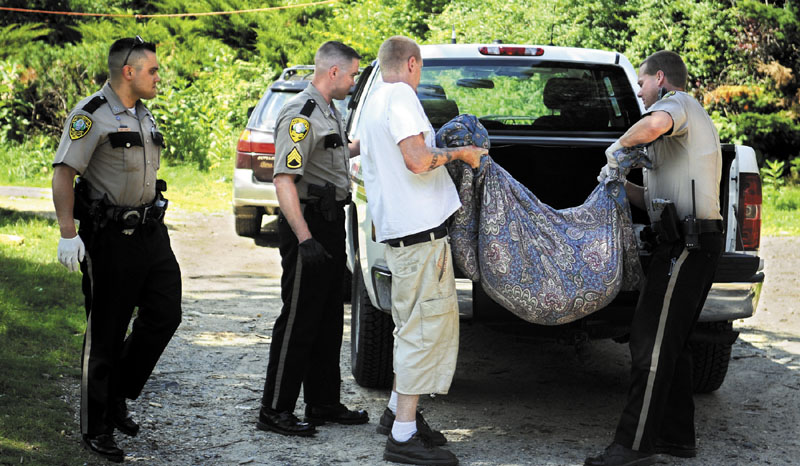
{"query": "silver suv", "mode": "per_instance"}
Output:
(253, 191)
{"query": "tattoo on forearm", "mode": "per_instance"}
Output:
(448, 154)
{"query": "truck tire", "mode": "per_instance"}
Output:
(710, 359)
(247, 222)
(371, 339)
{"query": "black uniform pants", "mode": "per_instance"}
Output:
(307, 336)
(660, 404)
(121, 272)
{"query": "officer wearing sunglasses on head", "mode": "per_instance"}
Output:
(111, 140)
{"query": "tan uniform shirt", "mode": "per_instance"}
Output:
(116, 152)
(305, 144)
(691, 151)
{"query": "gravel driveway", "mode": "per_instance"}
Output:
(514, 401)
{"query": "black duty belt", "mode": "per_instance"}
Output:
(416, 238)
(130, 217)
(344, 202)
(705, 226)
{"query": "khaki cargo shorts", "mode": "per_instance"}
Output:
(425, 314)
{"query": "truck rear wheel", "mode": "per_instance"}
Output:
(371, 339)
(711, 359)
(247, 221)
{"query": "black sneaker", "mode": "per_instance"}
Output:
(284, 423)
(617, 455)
(103, 445)
(339, 414)
(120, 417)
(423, 429)
(675, 449)
(417, 450)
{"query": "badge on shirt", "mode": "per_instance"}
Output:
(298, 129)
(79, 127)
(294, 160)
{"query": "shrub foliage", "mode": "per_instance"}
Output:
(743, 56)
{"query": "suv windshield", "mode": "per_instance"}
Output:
(508, 94)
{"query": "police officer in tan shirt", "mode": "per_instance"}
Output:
(111, 140)
(684, 148)
(313, 186)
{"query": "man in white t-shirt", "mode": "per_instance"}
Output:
(411, 196)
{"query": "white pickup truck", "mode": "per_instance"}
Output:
(550, 113)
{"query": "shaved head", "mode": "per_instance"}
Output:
(395, 52)
(333, 53)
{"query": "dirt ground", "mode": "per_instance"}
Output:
(513, 401)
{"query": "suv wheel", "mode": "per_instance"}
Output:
(371, 339)
(710, 359)
(247, 221)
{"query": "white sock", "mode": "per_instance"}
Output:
(402, 431)
(393, 402)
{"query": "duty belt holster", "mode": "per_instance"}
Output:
(85, 209)
(99, 213)
(670, 228)
(325, 202)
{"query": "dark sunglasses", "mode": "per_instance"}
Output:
(137, 41)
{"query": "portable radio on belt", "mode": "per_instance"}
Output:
(691, 227)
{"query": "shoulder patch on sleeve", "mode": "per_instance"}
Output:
(94, 104)
(294, 160)
(79, 126)
(298, 129)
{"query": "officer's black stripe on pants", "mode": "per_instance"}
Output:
(307, 335)
(288, 334)
(124, 272)
(662, 321)
(87, 350)
(660, 403)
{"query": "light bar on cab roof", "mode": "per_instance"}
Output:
(511, 51)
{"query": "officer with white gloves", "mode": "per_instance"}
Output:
(71, 252)
(122, 247)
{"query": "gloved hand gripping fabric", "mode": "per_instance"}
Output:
(547, 266)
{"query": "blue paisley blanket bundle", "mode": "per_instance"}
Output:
(547, 266)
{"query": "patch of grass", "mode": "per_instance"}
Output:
(189, 188)
(28, 163)
(41, 328)
(781, 211)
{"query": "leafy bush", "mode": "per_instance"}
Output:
(744, 56)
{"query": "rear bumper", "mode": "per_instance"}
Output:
(736, 289)
(731, 301)
(248, 192)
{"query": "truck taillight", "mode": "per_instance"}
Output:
(750, 210)
(511, 51)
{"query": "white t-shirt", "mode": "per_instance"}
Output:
(401, 202)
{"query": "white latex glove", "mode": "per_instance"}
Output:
(612, 161)
(71, 252)
(603, 173)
